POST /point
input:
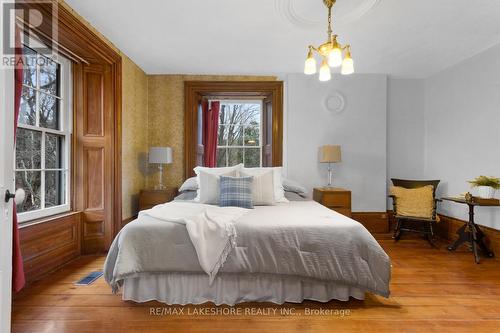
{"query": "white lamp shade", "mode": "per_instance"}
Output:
(324, 72)
(160, 155)
(310, 66)
(330, 154)
(347, 66)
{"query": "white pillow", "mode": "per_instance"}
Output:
(191, 184)
(262, 187)
(213, 171)
(279, 193)
(209, 186)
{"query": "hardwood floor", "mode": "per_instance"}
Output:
(433, 290)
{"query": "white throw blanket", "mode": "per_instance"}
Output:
(210, 228)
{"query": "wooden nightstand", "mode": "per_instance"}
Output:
(150, 198)
(337, 199)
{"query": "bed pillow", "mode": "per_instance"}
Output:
(262, 188)
(292, 186)
(208, 193)
(213, 171)
(279, 193)
(414, 202)
(236, 192)
(191, 184)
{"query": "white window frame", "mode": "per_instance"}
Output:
(243, 146)
(66, 121)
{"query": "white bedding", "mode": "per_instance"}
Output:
(210, 229)
(298, 239)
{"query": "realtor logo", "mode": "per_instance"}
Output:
(38, 17)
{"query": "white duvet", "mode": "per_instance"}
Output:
(210, 228)
(300, 238)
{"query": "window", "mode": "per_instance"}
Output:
(239, 135)
(43, 139)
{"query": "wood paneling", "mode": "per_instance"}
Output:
(95, 155)
(432, 290)
(49, 244)
(195, 90)
(93, 160)
(375, 222)
(94, 104)
(96, 123)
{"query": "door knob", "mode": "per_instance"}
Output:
(18, 196)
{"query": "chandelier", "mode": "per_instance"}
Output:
(331, 53)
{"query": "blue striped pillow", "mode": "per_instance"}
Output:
(236, 191)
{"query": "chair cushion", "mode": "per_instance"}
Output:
(236, 191)
(414, 202)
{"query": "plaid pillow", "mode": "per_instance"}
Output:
(236, 191)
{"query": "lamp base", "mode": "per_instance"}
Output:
(330, 176)
(160, 185)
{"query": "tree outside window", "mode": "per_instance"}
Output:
(239, 134)
(43, 136)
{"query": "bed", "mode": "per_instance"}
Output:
(288, 252)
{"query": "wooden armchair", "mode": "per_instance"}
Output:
(427, 223)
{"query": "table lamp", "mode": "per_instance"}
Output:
(329, 154)
(160, 156)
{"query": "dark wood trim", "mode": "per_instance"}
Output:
(87, 49)
(194, 92)
(50, 245)
(375, 222)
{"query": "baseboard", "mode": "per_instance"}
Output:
(448, 227)
(375, 222)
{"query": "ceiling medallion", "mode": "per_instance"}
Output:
(289, 10)
(331, 53)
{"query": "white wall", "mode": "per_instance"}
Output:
(405, 128)
(360, 129)
(462, 121)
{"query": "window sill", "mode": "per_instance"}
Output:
(47, 219)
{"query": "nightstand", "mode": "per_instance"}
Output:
(334, 198)
(150, 198)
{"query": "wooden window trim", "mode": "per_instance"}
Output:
(196, 90)
(78, 42)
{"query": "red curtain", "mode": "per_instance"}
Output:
(210, 130)
(18, 279)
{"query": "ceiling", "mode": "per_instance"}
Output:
(402, 38)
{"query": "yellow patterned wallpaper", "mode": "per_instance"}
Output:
(134, 135)
(166, 118)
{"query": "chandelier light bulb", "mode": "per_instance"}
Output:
(310, 64)
(324, 72)
(347, 65)
(335, 57)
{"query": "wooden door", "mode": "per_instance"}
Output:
(6, 183)
(93, 99)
